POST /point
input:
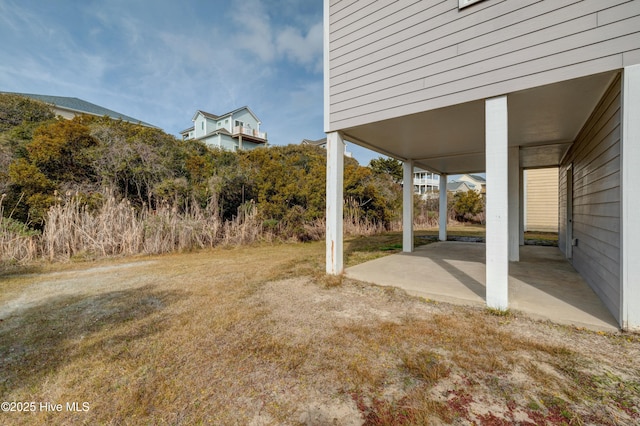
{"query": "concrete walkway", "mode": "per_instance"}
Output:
(543, 284)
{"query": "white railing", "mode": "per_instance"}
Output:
(239, 130)
(426, 181)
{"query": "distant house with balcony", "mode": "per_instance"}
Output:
(425, 183)
(237, 130)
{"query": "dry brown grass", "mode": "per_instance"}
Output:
(16, 245)
(258, 335)
(115, 228)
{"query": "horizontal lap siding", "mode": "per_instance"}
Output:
(389, 59)
(542, 200)
(595, 160)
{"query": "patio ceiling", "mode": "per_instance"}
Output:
(543, 121)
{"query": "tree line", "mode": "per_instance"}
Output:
(45, 160)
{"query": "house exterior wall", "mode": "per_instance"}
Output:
(594, 165)
(390, 59)
(66, 114)
(227, 123)
(472, 182)
(228, 143)
(200, 127)
(247, 118)
(541, 200)
(247, 145)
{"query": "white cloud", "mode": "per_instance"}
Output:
(300, 48)
(159, 62)
(253, 32)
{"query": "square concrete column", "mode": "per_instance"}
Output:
(521, 205)
(334, 208)
(407, 206)
(630, 205)
(443, 211)
(514, 204)
(497, 210)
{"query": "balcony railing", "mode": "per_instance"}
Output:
(239, 130)
(426, 181)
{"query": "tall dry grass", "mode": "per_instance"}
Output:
(116, 228)
(356, 221)
(16, 244)
(71, 229)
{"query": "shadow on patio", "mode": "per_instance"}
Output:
(543, 284)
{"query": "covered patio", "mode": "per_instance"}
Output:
(542, 284)
(499, 88)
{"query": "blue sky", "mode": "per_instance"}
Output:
(161, 60)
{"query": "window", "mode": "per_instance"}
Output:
(239, 123)
(202, 125)
(465, 3)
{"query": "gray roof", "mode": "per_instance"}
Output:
(319, 142)
(477, 178)
(207, 114)
(82, 107)
(457, 186)
(213, 133)
(218, 117)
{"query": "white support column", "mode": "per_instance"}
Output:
(335, 179)
(521, 205)
(497, 245)
(630, 225)
(442, 217)
(407, 206)
(514, 204)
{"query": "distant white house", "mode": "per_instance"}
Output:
(475, 182)
(67, 107)
(322, 143)
(425, 183)
(233, 131)
(455, 187)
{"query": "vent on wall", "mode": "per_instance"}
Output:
(465, 3)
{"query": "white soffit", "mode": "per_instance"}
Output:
(451, 140)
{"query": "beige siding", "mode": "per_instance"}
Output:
(595, 162)
(388, 59)
(541, 211)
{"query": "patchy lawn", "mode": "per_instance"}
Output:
(259, 335)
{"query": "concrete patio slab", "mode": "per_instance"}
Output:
(543, 284)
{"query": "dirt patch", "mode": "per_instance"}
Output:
(67, 283)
